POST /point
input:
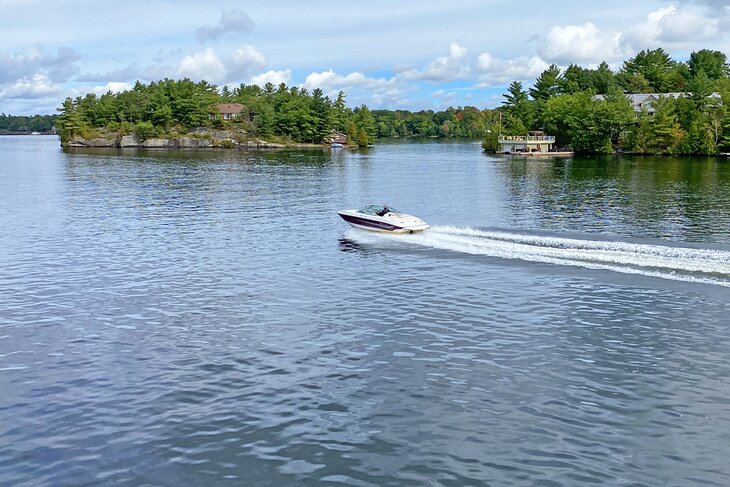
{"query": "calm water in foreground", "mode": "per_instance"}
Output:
(205, 318)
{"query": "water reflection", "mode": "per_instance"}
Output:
(205, 317)
(677, 198)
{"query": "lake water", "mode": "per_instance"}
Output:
(206, 318)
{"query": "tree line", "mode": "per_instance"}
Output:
(692, 117)
(169, 108)
(585, 108)
(21, 124)
(467, 122)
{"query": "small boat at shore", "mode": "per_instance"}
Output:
(379, 218)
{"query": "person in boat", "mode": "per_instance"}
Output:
(384, 211)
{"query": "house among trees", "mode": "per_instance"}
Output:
(335, 137)
(644, 101)
(230, 111)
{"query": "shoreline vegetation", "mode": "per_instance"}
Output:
(187, 114)
(652, 105)
(184, 114)
(588, 110)
(27, 125)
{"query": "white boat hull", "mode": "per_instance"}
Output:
(392, 222)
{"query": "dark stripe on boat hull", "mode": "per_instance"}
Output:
(370, 224)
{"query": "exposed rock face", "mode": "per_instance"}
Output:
(129, 141)
(157, 143)
(262, 144)
(96, 142)
(200, 138)
(191, 143)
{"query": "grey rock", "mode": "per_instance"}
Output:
(129, 141)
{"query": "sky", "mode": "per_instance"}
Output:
(396, 55)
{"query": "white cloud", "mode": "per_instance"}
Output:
(244, 61)
(580, 44)
(37, 86)
(113, 86)
(689, 24)
(494, 71)
(331, 81)
(230, 21)
(203, 65)
(444, 97)
(674, 26)
(445, 68)
(378, 92)
(59, 67)
(271, 76)
(132, 71)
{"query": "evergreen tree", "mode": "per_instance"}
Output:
(339, 112)
(547, 84)
(71, 122)
(712, 63)
(575, 79)
(604, 80)
(518, 109)
(363, 126)
(655, 66)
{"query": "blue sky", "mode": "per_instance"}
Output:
(411, 55)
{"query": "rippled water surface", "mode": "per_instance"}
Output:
(205, 318)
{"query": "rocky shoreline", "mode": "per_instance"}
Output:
(198, 139)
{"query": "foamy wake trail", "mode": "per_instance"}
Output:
(677, 263)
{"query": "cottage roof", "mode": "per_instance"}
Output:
(234, 108)
(641, 100)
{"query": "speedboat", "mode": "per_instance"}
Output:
(379, 218)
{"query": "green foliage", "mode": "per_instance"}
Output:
(145, 130)
(660, 133)
(576, 78)
(520, 112)
(653, 67)
(466, 122)
(562, 103)
(71, 122)
(565, 105)
(547, 84)
(585, 123)
(362, 129)
(177, 106)
(491, 141)
(712, 63)
(26, 123)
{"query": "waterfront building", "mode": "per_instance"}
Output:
(643, 101)
(536, 141)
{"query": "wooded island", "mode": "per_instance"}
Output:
(652, 105)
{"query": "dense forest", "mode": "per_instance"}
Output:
(695, 120)
(169, 108)
(23, 124)
(469, 122)
(587, 109)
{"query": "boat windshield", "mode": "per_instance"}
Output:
(375, 209)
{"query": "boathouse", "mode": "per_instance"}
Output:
(534, 142)
(335, 137)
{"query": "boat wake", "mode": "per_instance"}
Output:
(700, 265)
